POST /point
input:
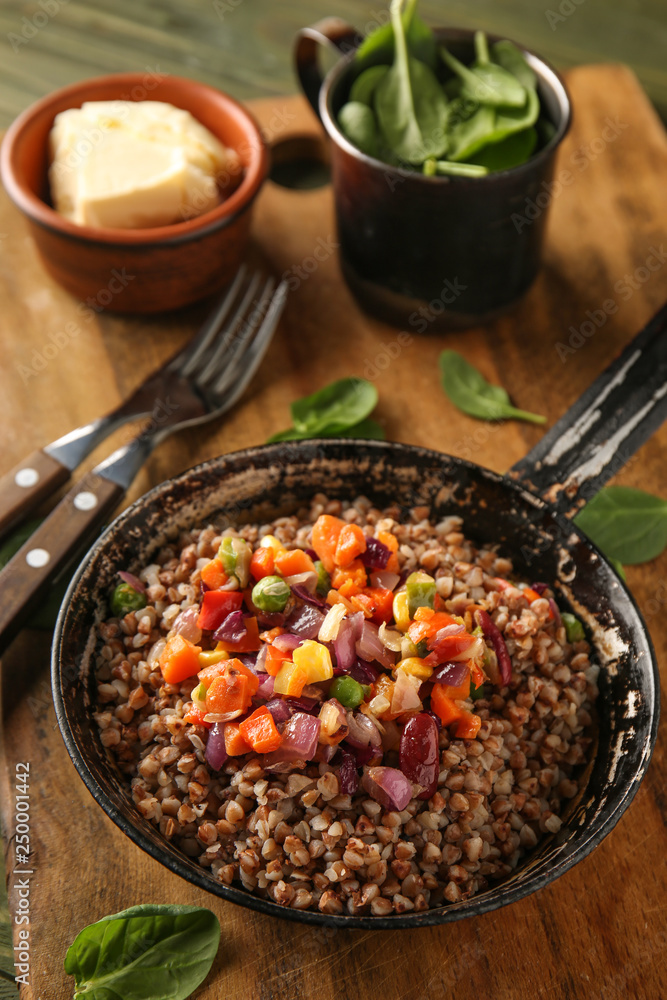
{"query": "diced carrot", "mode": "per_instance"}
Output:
(232, 690)
(213, 575)
(427, 623)
(391, 541)
(530, 594)
(179, 660)
(468, 726)
(274, 659)
(355, 574)
(214, 670)
(235, 745)
(262, 562)
(477, 675)
(447, 710)
(291, 679)
(250, 641)
(293, 561)
(271, 634)
(216, 605)
(326, 531)
(376, 603)
(259, 730)
(460, 692)
(351, 544)
(195, 716)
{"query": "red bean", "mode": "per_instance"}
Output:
(418, 753)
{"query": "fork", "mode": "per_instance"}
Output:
(203, 384)
(40, 474)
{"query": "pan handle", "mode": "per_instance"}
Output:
(604, 428)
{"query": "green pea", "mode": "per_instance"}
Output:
(125, 599)
(420, 588)
(323, 579)
(271, 593)
(235, 555)
(347, 691)
(573, 627)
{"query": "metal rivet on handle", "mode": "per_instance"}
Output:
(26, 478)
(37, 558)
(85, 500)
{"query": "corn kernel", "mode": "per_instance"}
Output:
(271, 542)
(413, 665)
(315, 660)
(291, 679)
(400, 609)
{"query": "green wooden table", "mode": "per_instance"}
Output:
(244, 46)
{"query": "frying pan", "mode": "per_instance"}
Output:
(526, 512)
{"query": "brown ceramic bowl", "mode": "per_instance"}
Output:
(136, 270)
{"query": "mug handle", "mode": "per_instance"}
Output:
(334, 34)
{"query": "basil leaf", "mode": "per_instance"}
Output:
(510, 152)
(357, 122)
(507, 55)
(335, 407)
(149, 952)
(363, 88)
(472, 394)
(410, 104)
(628, 525)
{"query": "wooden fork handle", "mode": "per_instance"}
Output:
(70, 525)
(26, 485)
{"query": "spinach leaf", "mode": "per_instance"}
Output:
(469, 127)
(335, 407)
(368, 428)
(472, 394)
(628, 525)
(486, 82)
(364, 86)
(510, 120)
(379, 46)
(410, 104)
(149, 952)
(507, 153)
(446, 168)
(507, 55)
(357, 122)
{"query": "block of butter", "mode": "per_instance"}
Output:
(136, 164)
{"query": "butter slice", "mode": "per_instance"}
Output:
(135, 164)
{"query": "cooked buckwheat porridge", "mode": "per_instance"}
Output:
(345, 710)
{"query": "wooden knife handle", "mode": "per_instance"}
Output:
(31, 481)
(70, 526)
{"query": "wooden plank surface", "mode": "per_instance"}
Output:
(599, 931)
(245, 45)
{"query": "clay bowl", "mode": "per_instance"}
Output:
(261, 483)
(140, 270)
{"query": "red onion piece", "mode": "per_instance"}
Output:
(279, 709)
(325, 753)
(300, 737)
(303, 704)
(133, 580)
(370, 647)
(301, 591)
(265, 689)
(418, 754)
(348, 776)
(376, 555)
(232, 629)
(364, 673)
(259, 666)
(216, 755)
(454, 629)
(388, 786)
(344, 643)
(556, 612)
(451, 673)
(383, 578)
(287, 642)
(305, 621)
(364, 755)
(186, 625)
(539, 588)
(492, 634)
(362, 731)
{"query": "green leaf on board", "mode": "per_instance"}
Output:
(470, 392)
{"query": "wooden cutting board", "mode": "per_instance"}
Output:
(600, 930)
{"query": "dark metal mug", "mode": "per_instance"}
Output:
(431, 252)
